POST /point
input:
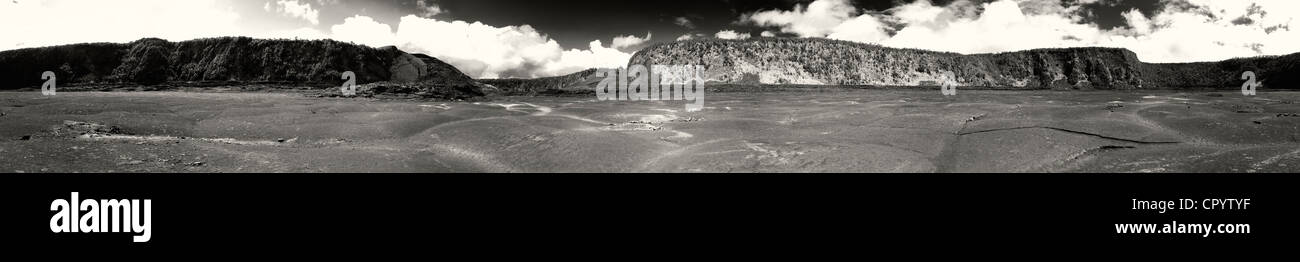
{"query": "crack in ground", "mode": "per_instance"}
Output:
(1071, 131)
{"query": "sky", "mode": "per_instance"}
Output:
(534, 38)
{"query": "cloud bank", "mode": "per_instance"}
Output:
(485, 51)
(1180, 31)
(34, 23)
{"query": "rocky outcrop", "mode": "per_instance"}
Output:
(407, 69)
(441, 73)
(834, 62)
(234, 60)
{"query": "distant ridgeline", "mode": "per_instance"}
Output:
(581, 82)
(824, 61)
(149, 61)
(320, 63)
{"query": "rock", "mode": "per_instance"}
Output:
(1112, 107)
(445, 80)
(131, 163)
(87, 128)
(25, 138)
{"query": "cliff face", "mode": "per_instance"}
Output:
(823, 61)
(1274, 72)
(229, 59)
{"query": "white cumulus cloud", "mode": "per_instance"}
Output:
(481, 50)
(815, 20)
(1139, 22)
(428, 8)
(34, 23)
(630, 40)
(865, 28)
(295, 9)
(1213, 30)
(1002, 26)
(363, 30)
(729, 34)
(1179, 31)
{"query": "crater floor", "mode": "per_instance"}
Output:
(847, 130)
